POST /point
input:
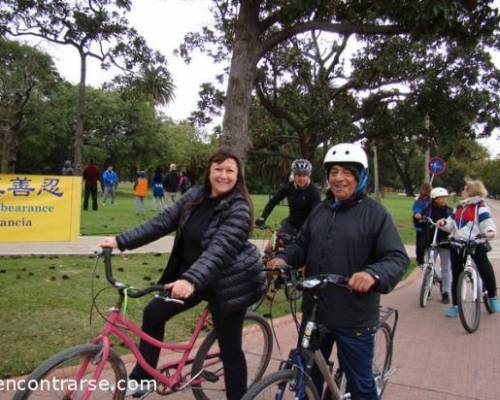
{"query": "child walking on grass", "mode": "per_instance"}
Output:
(140, 190)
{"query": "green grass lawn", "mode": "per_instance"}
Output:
(45, 304)
(45, 301)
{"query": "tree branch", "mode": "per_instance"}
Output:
(286, 34)
(277, 111)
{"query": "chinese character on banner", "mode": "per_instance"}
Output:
(50, 185)
(21, 187)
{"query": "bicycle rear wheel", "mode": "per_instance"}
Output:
(68, 374)
(257, 346)
(469, 301)
(282, 385)
(382, 357)
(426, 287)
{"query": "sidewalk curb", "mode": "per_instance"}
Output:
(408, 280)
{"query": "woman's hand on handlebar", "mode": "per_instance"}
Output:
(180, 289)
(275, 262)
(109, 242)
(361, 281)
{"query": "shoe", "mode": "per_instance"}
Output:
(138, 389)
(452, 312)
(494, 304)
(445, 298)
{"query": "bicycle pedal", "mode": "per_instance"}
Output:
(209, 376)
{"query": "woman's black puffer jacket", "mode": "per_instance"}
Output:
(229, 264)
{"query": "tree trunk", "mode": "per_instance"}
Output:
(403, 174)
(10, 126)
(4, 146)
(80, 116)
(240, 84)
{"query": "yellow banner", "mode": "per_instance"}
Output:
(39, 208)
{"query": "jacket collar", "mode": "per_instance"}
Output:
(471, 200)
(200, 192)
(344, 204)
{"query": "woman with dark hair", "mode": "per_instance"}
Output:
(211, 260)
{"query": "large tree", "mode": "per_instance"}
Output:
(95, 28)
(248, 29)
(23, 70)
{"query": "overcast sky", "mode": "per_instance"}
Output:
(164, 23)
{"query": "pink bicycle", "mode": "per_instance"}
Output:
(94, 370)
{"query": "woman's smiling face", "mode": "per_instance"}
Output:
(223, 176)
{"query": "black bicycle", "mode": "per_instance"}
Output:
(276, 281)
(470, 288)
(293, 379)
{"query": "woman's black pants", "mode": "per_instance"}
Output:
(229, 330)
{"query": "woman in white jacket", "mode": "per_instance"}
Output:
(471, 218)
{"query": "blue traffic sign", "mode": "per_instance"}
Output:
(436, 166)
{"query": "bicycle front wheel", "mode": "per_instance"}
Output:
(469, 301)
(283, 385)
(69, 375)
(382, 358)
(257, 344)
(426, 287)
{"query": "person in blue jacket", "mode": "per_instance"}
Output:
(110, 182)
(420, 210)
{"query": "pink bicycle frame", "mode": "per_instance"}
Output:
(117, 325)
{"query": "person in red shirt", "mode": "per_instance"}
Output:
(91, 177)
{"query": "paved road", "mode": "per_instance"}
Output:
(434, 358)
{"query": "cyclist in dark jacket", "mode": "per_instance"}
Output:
(302, 196)
(352, 235)
(211, 259)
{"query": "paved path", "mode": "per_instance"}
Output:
(434, 358)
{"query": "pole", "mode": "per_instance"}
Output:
(427, 156)
(376, 187)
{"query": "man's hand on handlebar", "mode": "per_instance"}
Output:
(275, 262)
(361, 281)
(109, 242)
(180, 289)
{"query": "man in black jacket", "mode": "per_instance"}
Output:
(302, 196)
(352, 235)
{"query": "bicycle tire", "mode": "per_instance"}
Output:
(469, 310)
(257, 361)
(426, 286)
(54, 367)
(382, 357)
(280, 385)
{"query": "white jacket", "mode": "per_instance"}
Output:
(469, 219)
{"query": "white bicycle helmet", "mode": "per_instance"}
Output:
(346, 153)
(301, 166)
(439, 192)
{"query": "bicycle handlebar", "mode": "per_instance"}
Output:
(430, 221)
(319, 282)
(106, 252)
(479, 239)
